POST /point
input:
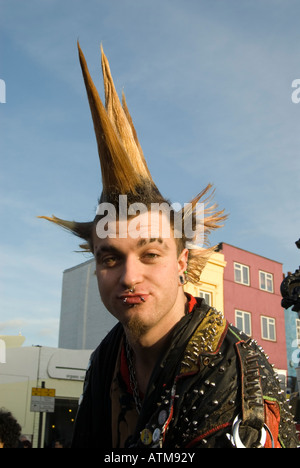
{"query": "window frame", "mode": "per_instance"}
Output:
(244, 313)
(298, 332)
(266, 273)
(242, 265)
(269, 320)
(201, 291)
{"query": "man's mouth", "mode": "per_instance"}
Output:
(133, 299)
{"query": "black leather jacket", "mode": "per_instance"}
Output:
(213, 388)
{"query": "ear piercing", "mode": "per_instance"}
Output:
(183, 279)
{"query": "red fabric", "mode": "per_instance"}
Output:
(272, 420)
(192, 301)
(193, 442)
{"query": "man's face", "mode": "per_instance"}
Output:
(148, 264)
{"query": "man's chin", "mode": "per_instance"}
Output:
(136, 327)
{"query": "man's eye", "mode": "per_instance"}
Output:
(151, 256)
(109, 261)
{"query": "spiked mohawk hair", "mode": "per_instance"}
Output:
(125, 172)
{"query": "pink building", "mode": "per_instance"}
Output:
(252, 300)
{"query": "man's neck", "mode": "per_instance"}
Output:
(145, 359)
(151, 345)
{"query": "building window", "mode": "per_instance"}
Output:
(243, 321)
(298, 332)
(241, 274)
(268, 328)
(206, 296)
(266, 281)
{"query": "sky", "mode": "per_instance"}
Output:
(209, 86)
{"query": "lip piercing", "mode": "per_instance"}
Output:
(141, 297)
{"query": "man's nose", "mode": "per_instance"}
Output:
(132, 272)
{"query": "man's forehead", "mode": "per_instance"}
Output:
(148, 226)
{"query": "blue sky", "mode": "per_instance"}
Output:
(208, 83)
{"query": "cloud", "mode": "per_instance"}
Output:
(12, 324)
(43, 332)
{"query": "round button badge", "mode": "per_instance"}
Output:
(162, 417)
(146, 436)
(156, 435)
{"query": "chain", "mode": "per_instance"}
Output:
(132, 378)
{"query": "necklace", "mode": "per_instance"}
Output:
(132, 377)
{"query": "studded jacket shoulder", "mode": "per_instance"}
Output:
(214, 388)
(225, 394)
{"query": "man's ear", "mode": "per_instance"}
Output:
(183, 261)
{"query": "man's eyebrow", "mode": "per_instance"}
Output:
(143, 242)
(106, 248)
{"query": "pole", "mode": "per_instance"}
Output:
(41, 424)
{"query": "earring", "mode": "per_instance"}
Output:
(183, 279)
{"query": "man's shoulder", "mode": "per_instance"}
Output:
(234, 378)
(212, 327)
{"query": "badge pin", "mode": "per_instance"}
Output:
(162, 417)
(146, 436)
(156, 435)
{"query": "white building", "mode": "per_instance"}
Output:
(27, 368)
(84, 321)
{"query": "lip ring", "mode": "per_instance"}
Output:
(125, 298)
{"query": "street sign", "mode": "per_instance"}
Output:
(42, 400)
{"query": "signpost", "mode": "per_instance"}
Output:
(42, 401)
